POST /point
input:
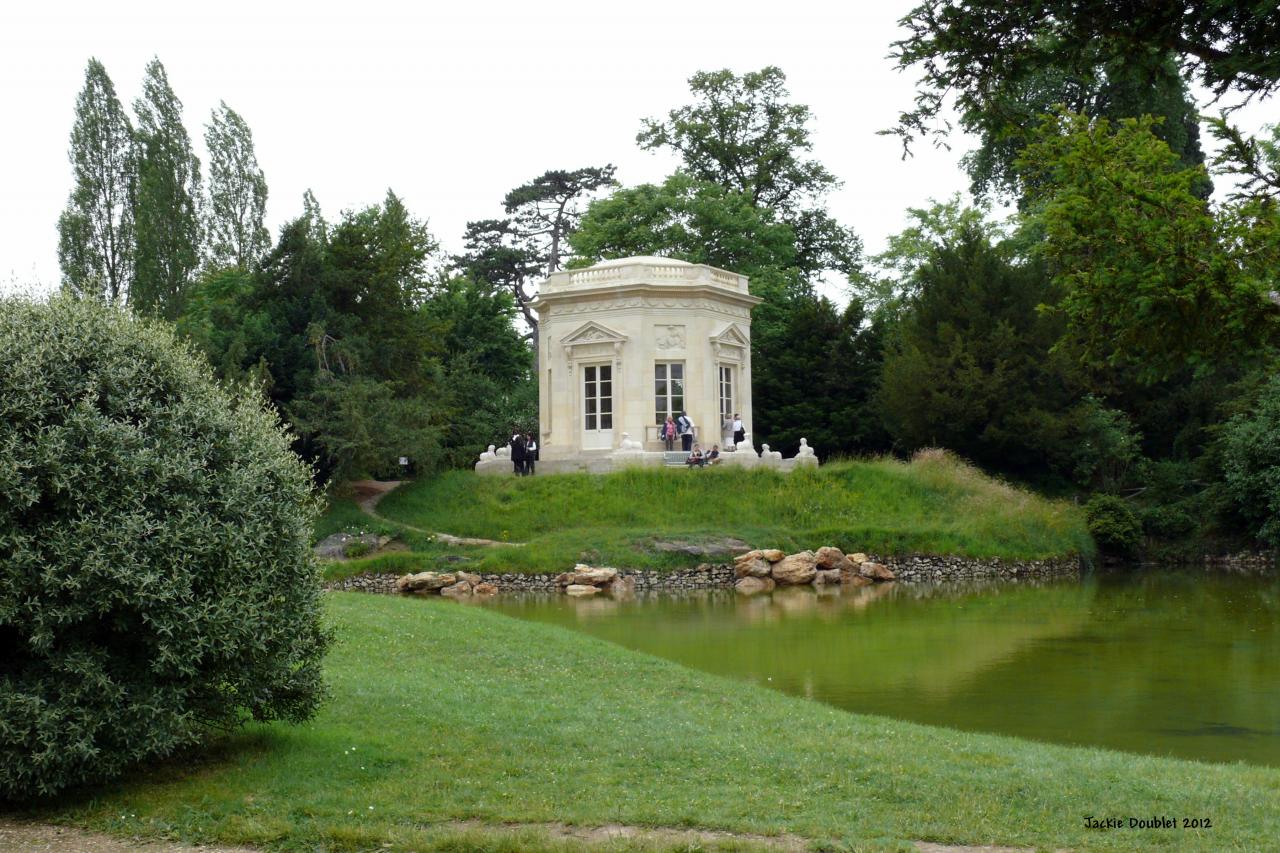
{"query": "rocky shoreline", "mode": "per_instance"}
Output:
(911, 568)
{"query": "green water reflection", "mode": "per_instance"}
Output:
(1164, 664)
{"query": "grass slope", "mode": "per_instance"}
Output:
(443, 712)
(934, 504)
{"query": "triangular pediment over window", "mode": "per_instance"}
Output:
(593, 333)
(732, 336)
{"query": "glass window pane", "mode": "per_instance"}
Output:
(677, 371)
(606, 422)
(677, 404)
(660, 409)
(591, 421)
(590, 389)
(677, 387)
(606, 404)
(606, 373)
(606, 389)
(591, 405)
(661, 387)
(590, 373)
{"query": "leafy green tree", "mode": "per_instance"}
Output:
(157, 583)
(486, 378)
(165, 207)
(971, 367)
(1148, 276)
(96, 231)
(1129, 86)
(237, 193)
(981, 51)
(743, 134)
(1250, 448)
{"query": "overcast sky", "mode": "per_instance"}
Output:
(451, 105)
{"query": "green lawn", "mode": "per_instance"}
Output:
(934, 504)
(443, 712)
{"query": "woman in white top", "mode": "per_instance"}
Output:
(739, 429)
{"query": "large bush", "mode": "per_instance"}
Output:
(1250, 446)
(155, 575)
(1113, 525)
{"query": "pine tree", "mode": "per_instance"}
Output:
(237, 193)
(167, 223)
(95, 232)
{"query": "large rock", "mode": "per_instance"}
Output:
(483, 588)
(751, 585)
(587, 575)
(425, 582)
(827, 576)
(795, 569)
(773, 555)
(581, 590)
(756, 567)
(461, 589)
(876, 571)
(469, 578)
(623, 586)
(858, 559)
(828, 557)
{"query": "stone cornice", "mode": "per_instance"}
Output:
(653, 295)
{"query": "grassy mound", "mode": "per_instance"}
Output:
(444, 713)
(934, 504)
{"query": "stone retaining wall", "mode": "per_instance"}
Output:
(1245, 562)
(927, 567)
(910, 568)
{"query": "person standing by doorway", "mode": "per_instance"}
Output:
(530, 453)
(519, 454)
(739, 430)
(667, 432)
(684, 426)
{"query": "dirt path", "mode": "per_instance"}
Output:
(368, 493)
(38, 837)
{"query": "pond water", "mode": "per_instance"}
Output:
(1159, 663)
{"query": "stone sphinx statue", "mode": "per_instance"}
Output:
(488, 455)
(629, 445)
(770, 458)
(805, 455)
(503, 452)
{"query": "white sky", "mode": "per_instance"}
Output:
(451, 105)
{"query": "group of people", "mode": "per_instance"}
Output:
(524, 453)
(682, 428)
(698, 459)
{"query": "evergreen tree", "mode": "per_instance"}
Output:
(165, 210)
(95, 232)
(237, 193)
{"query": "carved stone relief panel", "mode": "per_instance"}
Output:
(669, 337)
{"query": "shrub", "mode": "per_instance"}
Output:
(1250, 446)
(1113, 525)
(156, 579)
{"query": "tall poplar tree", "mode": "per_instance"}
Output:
(95, 232)
(167, 222)
(237, 193)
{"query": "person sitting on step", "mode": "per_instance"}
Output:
(713, 455)
(695, 458)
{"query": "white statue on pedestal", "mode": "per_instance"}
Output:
(488, 455)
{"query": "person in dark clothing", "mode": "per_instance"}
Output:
(530, 453)
(519, 454)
